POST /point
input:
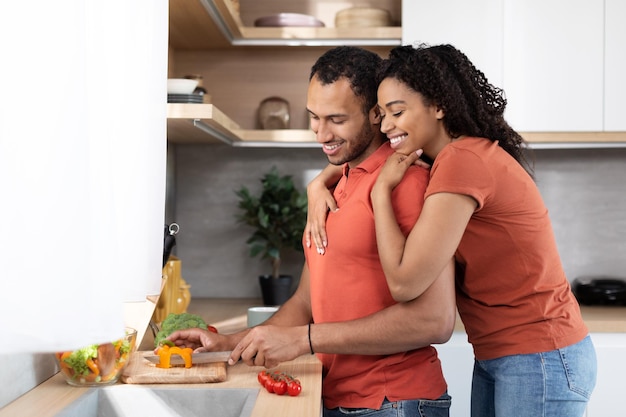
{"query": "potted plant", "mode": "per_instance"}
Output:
(278, 215)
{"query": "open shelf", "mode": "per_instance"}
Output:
(206, 124)
(204, 24)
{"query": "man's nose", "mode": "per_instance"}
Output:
(323, 133)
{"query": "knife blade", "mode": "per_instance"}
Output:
(196, 358)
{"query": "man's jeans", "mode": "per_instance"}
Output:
(407, 408)
(549, 384)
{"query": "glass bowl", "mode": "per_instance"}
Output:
(99, 364)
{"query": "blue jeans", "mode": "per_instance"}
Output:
(406, 408)
(548, 384)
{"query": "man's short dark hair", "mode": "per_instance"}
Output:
(359, 66)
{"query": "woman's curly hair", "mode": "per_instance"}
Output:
(445, 77)
(358, 65)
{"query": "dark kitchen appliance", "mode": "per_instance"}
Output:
(600, 290)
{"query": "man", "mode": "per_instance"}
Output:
(375, 352)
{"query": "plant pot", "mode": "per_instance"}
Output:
(275, 291)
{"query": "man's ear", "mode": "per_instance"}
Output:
(374, 115)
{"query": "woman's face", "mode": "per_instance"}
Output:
(408, 123)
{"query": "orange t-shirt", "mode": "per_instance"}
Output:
(512, 293)
(348, 282)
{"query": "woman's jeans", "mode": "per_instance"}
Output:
(406, 408)
(549, 384)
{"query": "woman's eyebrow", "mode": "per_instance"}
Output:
(391, 103)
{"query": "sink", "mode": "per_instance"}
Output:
(136, 400)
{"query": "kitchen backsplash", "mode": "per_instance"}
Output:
(584, 190)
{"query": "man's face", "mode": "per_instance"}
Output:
(346, 134)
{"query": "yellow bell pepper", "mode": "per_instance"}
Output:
(165, 353)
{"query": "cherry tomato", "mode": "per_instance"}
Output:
(279, 383)
(280, 387)
(294, 388)
(211, 328)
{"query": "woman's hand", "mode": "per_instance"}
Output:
(394, 169)
(320, 201)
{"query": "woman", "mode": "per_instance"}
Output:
(533, 353)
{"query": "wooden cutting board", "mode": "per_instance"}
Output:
(142, 371)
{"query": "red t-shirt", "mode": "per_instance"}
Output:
(512, 293)
(348, 282)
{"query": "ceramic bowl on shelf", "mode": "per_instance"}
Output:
(287, 20)
(97, 364)
(181, 85)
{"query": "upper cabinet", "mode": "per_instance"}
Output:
(202, 24)
(448, 21)
(553, 64)
(559, 62)
(615, 66)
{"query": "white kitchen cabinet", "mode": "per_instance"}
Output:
(554, 64)
(608, 397)
(547, 55)
(457, 360)
(475, 27)
(615, 66)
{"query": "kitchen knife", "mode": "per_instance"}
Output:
(196, 358)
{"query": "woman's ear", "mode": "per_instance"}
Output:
(440, 114)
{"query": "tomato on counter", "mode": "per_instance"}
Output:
(280, 383)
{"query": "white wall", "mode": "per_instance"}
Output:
(82, 171)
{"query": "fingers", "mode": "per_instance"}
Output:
(248, 353)
(307, 235)
(422, 164)
(412, 157)
(235, 355)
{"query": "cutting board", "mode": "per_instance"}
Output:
(142, 371)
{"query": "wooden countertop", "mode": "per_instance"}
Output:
(50, 397)
(599, 319)
(229, 315)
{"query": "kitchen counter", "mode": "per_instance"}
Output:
(599, 319)
(53, 395)
(229, 315)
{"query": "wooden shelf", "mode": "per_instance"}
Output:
(205, 123)
(199, 123)
(207, 24)
(304, 36)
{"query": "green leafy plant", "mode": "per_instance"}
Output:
(278, 215)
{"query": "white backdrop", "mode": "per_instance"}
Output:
(82, 167)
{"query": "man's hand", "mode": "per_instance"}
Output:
(268, 346)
